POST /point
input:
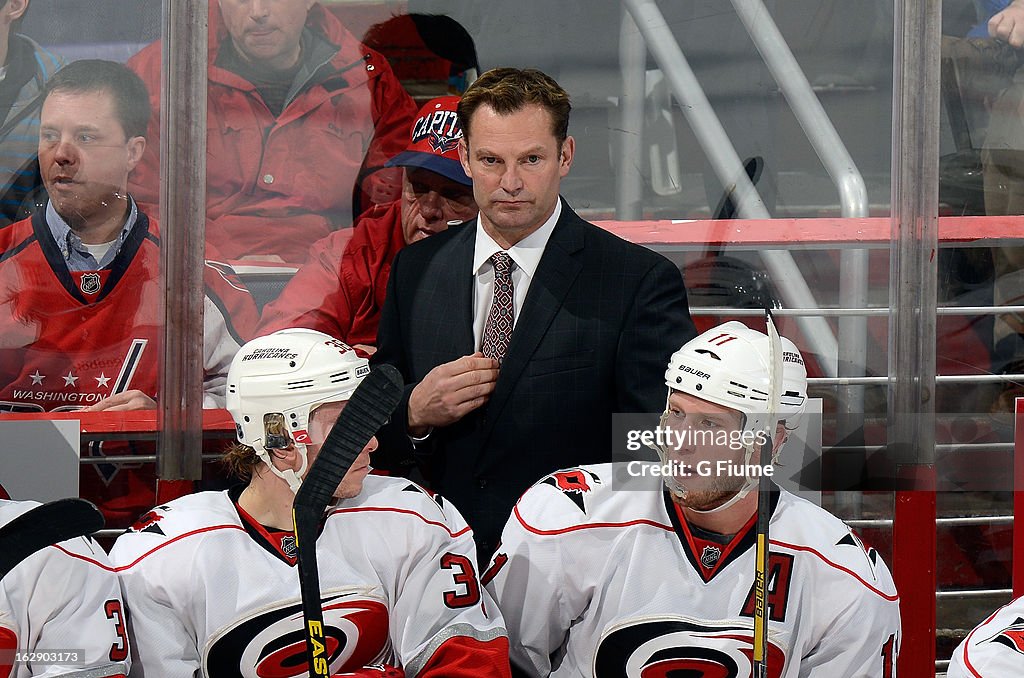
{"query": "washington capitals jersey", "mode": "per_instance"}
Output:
(212, 593)
(995, 648)
(64, 597)
(71, 339)
(603, 577)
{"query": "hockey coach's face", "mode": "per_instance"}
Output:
(320, 423)
(85, 157)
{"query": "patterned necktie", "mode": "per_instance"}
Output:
(501, 318)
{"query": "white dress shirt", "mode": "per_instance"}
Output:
(526, 254)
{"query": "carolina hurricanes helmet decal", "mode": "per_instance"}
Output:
(664, 648)
(271, 643)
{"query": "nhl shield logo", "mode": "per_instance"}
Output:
(90, 283)
(710, 555)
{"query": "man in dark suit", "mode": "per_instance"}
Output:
(521, 332)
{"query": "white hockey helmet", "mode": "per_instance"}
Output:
(729, 365)
(282, 378)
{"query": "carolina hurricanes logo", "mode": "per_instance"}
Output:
(1012, 636)
(271, 643)
(669, 648)
(148, 523)
(574, 484)
(90, 283)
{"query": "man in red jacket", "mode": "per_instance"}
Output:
(340, 290)
(301, 115)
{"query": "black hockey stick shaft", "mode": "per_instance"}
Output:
(44, 526)
(365, 412)
(761, 571)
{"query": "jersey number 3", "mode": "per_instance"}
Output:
(119, 649)
(467, 591)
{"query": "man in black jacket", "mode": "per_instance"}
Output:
(521, 332)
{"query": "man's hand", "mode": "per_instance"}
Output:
(451, 391)
(122, 402)
(1008, 25)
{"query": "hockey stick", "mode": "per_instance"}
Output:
(366, 411)
(44, 526)
(760, 668)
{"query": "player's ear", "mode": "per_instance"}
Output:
(781, 436)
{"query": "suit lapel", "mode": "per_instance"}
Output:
(452, 274)
(558, 269)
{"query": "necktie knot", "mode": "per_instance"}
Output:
(502, 263)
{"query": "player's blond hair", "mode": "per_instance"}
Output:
(241, 460)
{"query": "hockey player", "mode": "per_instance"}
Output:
(995, 648)
(643, 574)
(210, 578)
(60, 609)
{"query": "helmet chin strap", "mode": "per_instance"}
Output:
(293, 478)
(680, 492)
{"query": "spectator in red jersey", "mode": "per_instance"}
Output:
(340, 290)
(80, 289)
(300, 114)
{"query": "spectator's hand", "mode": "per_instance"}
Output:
(384, 186)
(451, 391)
(122, 402)
(1008, 25)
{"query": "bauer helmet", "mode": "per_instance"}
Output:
(729, 365)
(276, 381)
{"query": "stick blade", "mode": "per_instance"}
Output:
(44, 526)
(366, 411)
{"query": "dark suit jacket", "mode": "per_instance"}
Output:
(599, 323)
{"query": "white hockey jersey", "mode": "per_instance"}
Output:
(995, 648)
(603, 578)
(210, 592)
(64, 602)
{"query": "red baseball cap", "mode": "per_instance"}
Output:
(435, 141)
